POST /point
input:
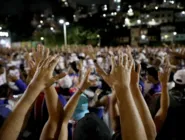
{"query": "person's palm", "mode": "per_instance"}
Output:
(164, 76)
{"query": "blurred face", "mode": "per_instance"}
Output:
(149, 78)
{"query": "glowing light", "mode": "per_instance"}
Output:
(51, 28)
(0, 28)
(4, 34)
(41, 21)
(143, 37)
(61, 21)
(175, 33)
(42, 38)
(130, 12)
(166, 36)
(138, 21)
(156, 7)
(67, 23)
(104, 15)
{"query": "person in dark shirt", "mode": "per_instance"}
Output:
(175, 121)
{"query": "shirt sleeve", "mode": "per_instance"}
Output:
(21, 86)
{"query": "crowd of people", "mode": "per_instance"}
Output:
(92, 93)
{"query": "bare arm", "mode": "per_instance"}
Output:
(164, 101)
(52, 127)
(114, 113)
(141, 105)
(119, 79)
(71, 106)
(13, 125)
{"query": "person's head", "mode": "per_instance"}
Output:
(91, 127)
(4, 91)
(152, 75)
(179, 79)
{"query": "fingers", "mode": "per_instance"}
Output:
(54, 62)
(100, 71)
(120, 56)
(87, 74)
(125, 61)
(112, 64)
(56, 78)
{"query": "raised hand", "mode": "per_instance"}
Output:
(120, 73)
(44, 73)
(85, 82)
(164, 76)
(135, 74)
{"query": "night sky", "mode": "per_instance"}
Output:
(17, 14)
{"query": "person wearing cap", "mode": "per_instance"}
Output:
(175, 121)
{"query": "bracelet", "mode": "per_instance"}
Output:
(79, 89)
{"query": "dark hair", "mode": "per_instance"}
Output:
(152, 71)
(4, 91)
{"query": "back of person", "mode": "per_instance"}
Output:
(173, 128)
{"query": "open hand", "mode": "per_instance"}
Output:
(164, 76)
(44, 72)
(120, 73)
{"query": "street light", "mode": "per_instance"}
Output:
(61, 21)
(174, 33)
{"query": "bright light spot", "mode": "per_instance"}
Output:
(124, 25)
(129, 6)
(172, 2)
(130, 12)
(63, 0)
(144, 6)
(183, 12)
(66, 3)
(42, 15)
(0, 28)
(147, 16)
(98, 36)
(174, 33)
(67, 23)
(164, 1)
(41, 21)
(53, 16)
(104, 15)
(105, 7)
(156, 7)
(42, 38)
(117, 26)
(143, 37)
(114, 13)
(166, 36)
(127, 21)
(118, 1)
(152, 22)
(118, 8)
(39, 26)
(61, 21)
(138, 21)
(4, 34)
(51, 28)
(3, 41)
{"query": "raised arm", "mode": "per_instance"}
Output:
(141, 104)
(52, 127)
(41, 80)
(119, 79)
(114, 113)
(164, 100)
(72, 103)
